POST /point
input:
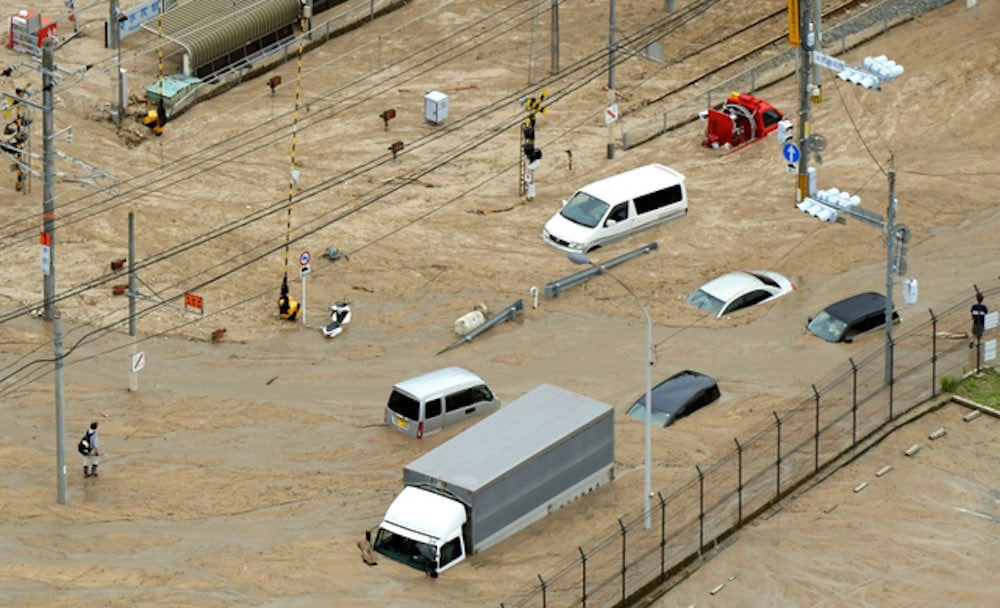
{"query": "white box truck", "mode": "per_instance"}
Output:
(497, 477)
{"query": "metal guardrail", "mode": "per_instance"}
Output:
(558, 286)
(507, 314)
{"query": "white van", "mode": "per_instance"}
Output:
(428, 403)
(617, 207)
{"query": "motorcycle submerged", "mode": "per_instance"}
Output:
(340, 315)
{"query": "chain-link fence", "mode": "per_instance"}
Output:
(855, 403)
(835, 39)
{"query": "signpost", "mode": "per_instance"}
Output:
(792, 155)
(304, 270)
(611, 114)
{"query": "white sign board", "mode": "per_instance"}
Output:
(611, 114)
(46, 260)
(138, 361)
(304, 270)
(827, 61)
(990, 321)
(990, 350)
(134, 18)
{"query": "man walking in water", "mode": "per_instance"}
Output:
(89, 449)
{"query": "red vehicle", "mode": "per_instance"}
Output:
(741, 120)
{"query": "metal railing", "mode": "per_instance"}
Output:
(831, 421)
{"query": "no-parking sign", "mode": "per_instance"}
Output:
(304, 258)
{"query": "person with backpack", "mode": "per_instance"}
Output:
(88, 448)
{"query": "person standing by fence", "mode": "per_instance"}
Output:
(89, 449)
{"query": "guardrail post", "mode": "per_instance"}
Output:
(624, 566)
(701, 509)
(583, 560)
(933, 353)
(739, 486)
(777, 464)
(663, 534)
(816, 436)
(854, 403)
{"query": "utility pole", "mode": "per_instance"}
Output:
(48, 197)
(611, 77)
(805, 63)
(817, 15)
(60, 418)
(890, 241)
(133, 384)
(114, 41)
(554, 68)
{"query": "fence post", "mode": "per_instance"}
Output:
(753, 80)
(701, 510)
(933, 353)
(663, 534)
(739, 487)
(583, 560)
(777, 464)
(664, 122)
(816, 435)
(892, 376)
(624, 566)
(542, 581)
(854, 403)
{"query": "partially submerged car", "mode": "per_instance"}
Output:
(844, 320)
(736, 290)
(677, 396)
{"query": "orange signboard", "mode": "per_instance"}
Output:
(793, 22)
(46, 239)
(193, 301)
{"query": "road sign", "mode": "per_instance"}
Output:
(793, 23)
(303, 271)
(138, 361)
(791, 152)
(611, 114)
(989, 350)
(304, 258)
(46, 260)
(826, 61)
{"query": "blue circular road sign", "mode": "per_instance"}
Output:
(791, 152)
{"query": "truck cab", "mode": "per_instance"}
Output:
(423, 529)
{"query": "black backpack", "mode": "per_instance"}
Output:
(84, 446)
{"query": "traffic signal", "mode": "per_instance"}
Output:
(877, 71)
(828, 204)
(531, 152)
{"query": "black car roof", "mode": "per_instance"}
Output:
(855, 307)
(677, 390)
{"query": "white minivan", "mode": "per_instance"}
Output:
(617, 207)
(428, 403)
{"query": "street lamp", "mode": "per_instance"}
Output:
(580, 258)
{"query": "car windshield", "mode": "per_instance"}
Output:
(406, 550)
(585, 210)
(404, 405)
(638, 411)
(828, 327)
(706, 301)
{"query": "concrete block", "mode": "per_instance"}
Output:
(972, 415)
(913, 449)
(717, 589)
(938, 434)
(861, 487)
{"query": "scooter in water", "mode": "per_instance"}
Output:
(340, 315)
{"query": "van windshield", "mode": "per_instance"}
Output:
(585, 210)
(406, 550)
(404, 405)
(828, 327)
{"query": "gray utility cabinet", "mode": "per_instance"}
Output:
(521, 463)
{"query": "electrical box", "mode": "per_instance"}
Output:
(435, 107)
(910, 291)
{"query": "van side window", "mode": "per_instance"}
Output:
(458, 400)
(660, 198)
(432, 408)
(619, 213)
(450, 551)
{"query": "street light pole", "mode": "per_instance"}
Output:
(580, 258)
